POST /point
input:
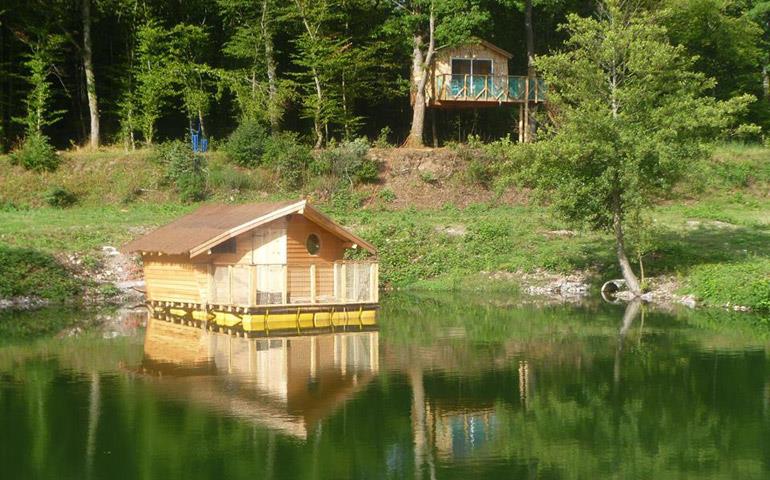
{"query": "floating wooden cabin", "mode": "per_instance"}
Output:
(258, 267)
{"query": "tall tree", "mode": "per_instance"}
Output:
(632, 115)
(88, 67)
(319, 52)
(44, 48)
(430, 25)
(255, 82)
(727, 42)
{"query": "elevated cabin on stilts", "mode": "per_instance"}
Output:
(475, 75)
(258, 267)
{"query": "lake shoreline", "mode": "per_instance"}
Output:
(711, 244)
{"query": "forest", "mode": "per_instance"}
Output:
(138, 72)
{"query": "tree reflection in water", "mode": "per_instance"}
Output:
(446, 389)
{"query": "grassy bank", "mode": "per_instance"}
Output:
(713, 236)
(26, 272)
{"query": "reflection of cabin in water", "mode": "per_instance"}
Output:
(258, 267)
(288, 384)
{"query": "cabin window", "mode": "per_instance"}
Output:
(477, 66)
(228, 246)
(313, 244)
(461, 66)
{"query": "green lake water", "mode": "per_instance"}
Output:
(447, 387)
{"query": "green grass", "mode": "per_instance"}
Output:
(82, 228)
(714, 234)
(744, 283)
(115, 177)
(28, 272)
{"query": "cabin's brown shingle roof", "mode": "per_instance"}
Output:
(213, 224)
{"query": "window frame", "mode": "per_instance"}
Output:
(307, 239)
(472, 60)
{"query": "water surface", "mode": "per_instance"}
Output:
(446, 388)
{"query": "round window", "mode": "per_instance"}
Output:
(313, 244)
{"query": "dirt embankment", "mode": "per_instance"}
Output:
(432, 178)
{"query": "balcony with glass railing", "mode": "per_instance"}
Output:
(488, 88)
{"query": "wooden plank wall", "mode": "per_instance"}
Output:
(332, 249)
(174, 278)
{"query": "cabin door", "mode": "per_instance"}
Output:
(269, 256)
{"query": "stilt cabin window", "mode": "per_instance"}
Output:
(469, 76)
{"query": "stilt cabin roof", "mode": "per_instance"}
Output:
(210, 225)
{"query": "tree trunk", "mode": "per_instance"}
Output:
(765, 81)
(201, 125)
(318, 127)
(273, 113)
(625, 266)
(319, 134)
(88, 66)
(418, 107)
(529, 122)
(414, 140)
(420, 73)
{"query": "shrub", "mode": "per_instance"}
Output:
(36, 153)
(429, 177)
(227, 177)
(348, 161)
(387, 195)
(27, 272)
(246, 144)
(183, 168)
(288, 158)
(60, 197)
(382, 139)
(744, 283)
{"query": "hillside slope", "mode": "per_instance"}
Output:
(435, 228)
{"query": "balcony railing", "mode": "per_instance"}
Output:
(342, 282)
(488, 88)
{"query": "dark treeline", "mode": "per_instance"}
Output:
(142, 71)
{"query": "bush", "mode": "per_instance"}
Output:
(348, 161)
(27, 272)
(288, 158)
(229, 178)
(382, 139)
(746, 283)
(36, 153)
(60, 197)
(386, 195)
(183, 168)
(246, 144)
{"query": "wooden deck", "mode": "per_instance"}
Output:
(271, 285)
(486, 90)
